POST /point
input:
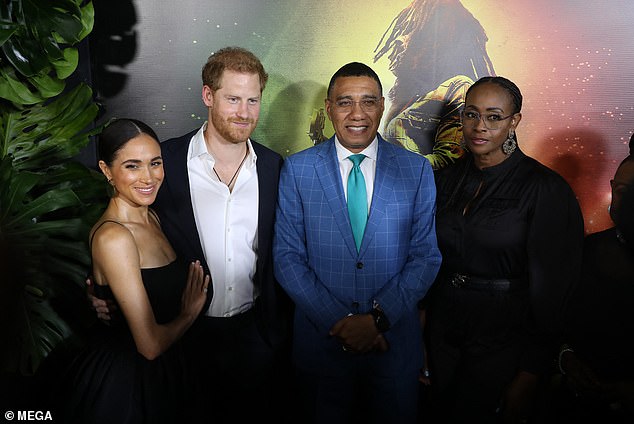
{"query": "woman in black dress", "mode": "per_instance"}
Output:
(132, 372)
(510, 231)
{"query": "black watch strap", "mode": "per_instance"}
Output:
(380, 319)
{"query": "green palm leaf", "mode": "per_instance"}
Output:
(48, 201)
(36, 39)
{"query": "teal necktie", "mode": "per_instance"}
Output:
(357, 199)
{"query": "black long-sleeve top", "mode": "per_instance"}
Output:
(518, 219)
(600, 313)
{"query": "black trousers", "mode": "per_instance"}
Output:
(238, 376)
(474, 341)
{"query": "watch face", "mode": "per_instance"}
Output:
(382, 323)
(380, 320)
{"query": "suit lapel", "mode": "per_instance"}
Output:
(384, 183)
(327, 169)
(179, 191)
(267, 187)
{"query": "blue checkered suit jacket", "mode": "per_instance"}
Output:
(317, 263)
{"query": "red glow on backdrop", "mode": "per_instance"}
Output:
(572, 61)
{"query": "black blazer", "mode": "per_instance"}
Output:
(174, 207)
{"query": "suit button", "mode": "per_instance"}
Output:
(359, 265)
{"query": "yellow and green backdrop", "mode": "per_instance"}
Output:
(572, 59)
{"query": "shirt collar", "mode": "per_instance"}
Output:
(369, 152)
(502, 167)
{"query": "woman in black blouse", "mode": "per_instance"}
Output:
(510, 231)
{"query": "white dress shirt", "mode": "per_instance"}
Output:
(227, 223)
(367, 166)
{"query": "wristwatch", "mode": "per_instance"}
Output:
(380, 319)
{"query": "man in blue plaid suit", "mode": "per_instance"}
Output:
(357, 344)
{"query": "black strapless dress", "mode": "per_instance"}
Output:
(110, 382)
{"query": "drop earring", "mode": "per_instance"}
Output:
(112, 189)
(510, 144)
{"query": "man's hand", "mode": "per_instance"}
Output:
(358, 334)
(380, 344)
(102, 307)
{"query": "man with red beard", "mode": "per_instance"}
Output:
(218, 203)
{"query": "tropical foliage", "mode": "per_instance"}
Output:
(47, 200)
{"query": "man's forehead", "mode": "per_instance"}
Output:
(356, 86)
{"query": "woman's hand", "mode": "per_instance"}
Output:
(195, 292)
(425, 375)
(581, 379)
(519, 398)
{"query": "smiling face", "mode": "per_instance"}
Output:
(488, 100)
(234, 108)
(136, 171)
(355, 107)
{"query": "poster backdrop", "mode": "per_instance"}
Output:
(572, 59)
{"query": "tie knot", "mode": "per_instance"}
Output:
(356, 159)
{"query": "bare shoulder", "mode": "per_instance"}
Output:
(113, 250)
(111, 236)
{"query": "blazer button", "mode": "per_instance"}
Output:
(359, 265)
